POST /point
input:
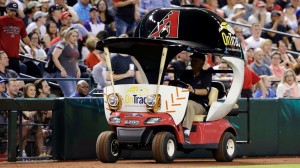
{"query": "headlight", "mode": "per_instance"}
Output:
(150, 100)
(153, 120)
(115, 120)
(114, 101)
(153, 102)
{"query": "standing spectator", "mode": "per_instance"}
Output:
(82, 89)
(12, 88)
(147, 5)
(238, 16)
(51, 33)
(65, 57)
(45, 5)
(260, 14)
(94, 56)
(32, 7)
(54, 12)
(82, 8)
(228, 9)
(267, 83)
(275, 24)
(66, 19)
(99, 73)
(254, 41)
(288, 86)
(258, 65)
(106, 17)
(12, 30)
(287, 59)
(94, 25)
(126, 15)
(266, 46)
(275, 66)
(39, 20)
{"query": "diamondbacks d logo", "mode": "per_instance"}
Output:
(168, 26)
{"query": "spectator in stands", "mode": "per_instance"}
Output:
(183, 59)
(28, 118)
(2, 88)
(248, 8)
(282, 3)
(62, 28)
(271, 6)
(287, 59)
(255, 40)
(5, 72)
(258, 65)
(288, 86)
(239, 34)
(99, 73)
(82, 89)
(266, 46)
(43, 90)
(260, 15)
(32, 7)
(94, 56)
(147, 5)
(290, 16)
(94, 25)
(65, 56)
(237, 16)
(106, 17)
(276, 25)
(66, 19)
(2, 7)
(213, 5)
(126, 15)
(39, 21)
(45, 5)
(82, 8)
(15, 30)
(12, 88)
(250, 55)
(66, 8)
(228, 9)
(267, 83)
(276, 68)
(54, 12)
(51, 33)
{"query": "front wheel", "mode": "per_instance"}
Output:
(164, 147)
(227, 148)
(107, 147)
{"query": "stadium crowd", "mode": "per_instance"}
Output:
(60, 37)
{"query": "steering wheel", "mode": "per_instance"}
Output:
(179, 83)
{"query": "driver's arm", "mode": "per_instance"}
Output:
(199, 92)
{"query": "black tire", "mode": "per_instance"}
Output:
(164, 147)
(227, 148)
(107, 147)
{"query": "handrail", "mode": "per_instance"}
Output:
(33, 59)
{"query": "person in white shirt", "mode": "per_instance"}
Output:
(39, 22)
(255, 40)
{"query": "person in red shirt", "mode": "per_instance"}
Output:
(94, 56)
(12, 29)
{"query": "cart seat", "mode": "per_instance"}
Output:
(212, 97)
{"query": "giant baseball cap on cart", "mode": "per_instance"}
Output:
(2, 80)
(52, 8)
(12, 6)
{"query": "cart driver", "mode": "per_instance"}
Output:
(199, 83)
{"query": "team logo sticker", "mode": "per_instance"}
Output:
(168, 26)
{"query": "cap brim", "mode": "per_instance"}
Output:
(12, 9)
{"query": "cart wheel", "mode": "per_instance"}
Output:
(227, 148)
(107, 147)
(164, 147)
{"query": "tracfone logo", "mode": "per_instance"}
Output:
(136, 95)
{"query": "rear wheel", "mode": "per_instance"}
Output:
(164, 147)
(227, 148)
(107, 147)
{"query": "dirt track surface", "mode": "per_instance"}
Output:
(186, 163)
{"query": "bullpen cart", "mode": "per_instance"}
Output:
(149, 116)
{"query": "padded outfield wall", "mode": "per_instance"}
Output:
(274, 129)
